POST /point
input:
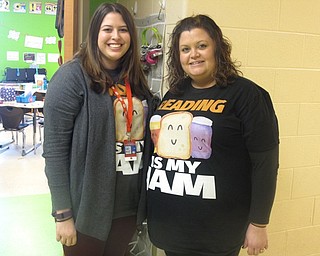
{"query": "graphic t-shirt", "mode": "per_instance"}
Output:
(199, 178)
(127, 190)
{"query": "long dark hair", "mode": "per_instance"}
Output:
(130, 66)
(226, 69)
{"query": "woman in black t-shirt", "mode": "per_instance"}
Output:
(212, 177)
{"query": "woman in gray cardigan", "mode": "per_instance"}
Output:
(96, 140)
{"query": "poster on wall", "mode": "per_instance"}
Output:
(4, 6)
(35, 7)
(29, 57)
(19, 7)
(50, 8)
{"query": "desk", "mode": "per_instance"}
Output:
(32, 105)
(19, 87)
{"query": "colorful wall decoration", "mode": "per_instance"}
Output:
(28, 35)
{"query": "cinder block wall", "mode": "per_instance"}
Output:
(278, 44)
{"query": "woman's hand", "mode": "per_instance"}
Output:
(66, 232)
(256, 240)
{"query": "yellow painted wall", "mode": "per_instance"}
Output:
(278, 44)
(144, 7)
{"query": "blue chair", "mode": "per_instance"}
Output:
(13, 121)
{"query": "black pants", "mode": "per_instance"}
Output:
(121, 233)
(168, 253)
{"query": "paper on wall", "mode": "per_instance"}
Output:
(53, 57)
(33, 42)
(14, 35)
(41, 58)
(12, 56)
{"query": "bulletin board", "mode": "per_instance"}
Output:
(28, 35)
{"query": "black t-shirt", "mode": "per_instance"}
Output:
(200, 178)
(128, 179)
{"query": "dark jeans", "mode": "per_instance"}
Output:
(121, 233)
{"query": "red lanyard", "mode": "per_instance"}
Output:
(127, 110)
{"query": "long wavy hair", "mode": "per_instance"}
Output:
(129, 65)
(226, 70)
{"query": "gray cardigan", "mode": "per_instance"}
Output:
(79, 150)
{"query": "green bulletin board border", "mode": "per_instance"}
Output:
(27, 24)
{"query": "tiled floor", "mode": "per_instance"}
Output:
(26, 227)
(21, 175)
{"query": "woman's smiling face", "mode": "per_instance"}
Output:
(113, 39)
(197, 56)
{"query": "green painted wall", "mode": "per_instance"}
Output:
(27, 24)
(95, 3)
